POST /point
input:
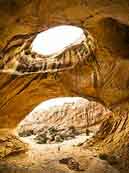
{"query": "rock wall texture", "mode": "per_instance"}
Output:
(108, 21)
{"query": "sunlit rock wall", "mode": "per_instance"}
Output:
(18, 95)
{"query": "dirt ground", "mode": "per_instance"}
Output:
(66, 157)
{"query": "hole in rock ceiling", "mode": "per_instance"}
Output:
(57, 39)
(63, 47)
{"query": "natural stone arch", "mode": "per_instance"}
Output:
(62, 117)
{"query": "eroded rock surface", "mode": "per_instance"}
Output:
(108, 23)
(10, 144)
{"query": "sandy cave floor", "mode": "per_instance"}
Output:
(46, 158)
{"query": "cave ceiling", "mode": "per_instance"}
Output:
(108, 21)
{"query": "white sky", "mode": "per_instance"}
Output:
(57, 39)
(58, 101)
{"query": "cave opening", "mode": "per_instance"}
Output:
(55, 121)
(65, 35)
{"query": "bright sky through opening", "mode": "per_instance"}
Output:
(57, 39)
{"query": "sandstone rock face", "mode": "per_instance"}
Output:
(108, 23)
(63, 114)
(43, 55)
(10, 144)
